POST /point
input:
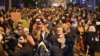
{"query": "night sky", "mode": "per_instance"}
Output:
(1, 2)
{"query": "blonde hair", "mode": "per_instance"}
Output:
(2, 29)
(26, 30)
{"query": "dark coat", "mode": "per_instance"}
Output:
(55, 49)
(26, 50)
(90, 41)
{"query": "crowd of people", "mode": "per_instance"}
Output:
(51, 31)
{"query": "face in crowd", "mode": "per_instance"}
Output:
(59, 30)
(22, 39)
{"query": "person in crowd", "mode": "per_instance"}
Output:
(25, 50)
(98, 32)
(2, 22)
(32, 22)
(1, 42)
(10, 41)
(58, 42)
(60, 23)
(43, 48)
(19, 28)
(2, 12)
(38, 24)
(8, 22)
(29, 37)
(74, 20)
(81, 42)
(37, 29)
(90, 40)
(89, 23)
(1, 34)
(72, 36)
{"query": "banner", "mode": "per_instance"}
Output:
(15, 16)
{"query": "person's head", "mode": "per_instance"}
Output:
(79, 18)
(26, 31)
(89, 22)
(8, 29)
(60, 22)
(19, 26)
(54, 23)
(5, 18)
(38, 21)
(52, 31)
(23, 39)
(79, 23)
(1, 30)
(45, 21)
(1, 19)
(59, 30)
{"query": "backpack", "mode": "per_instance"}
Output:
(42, 50)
